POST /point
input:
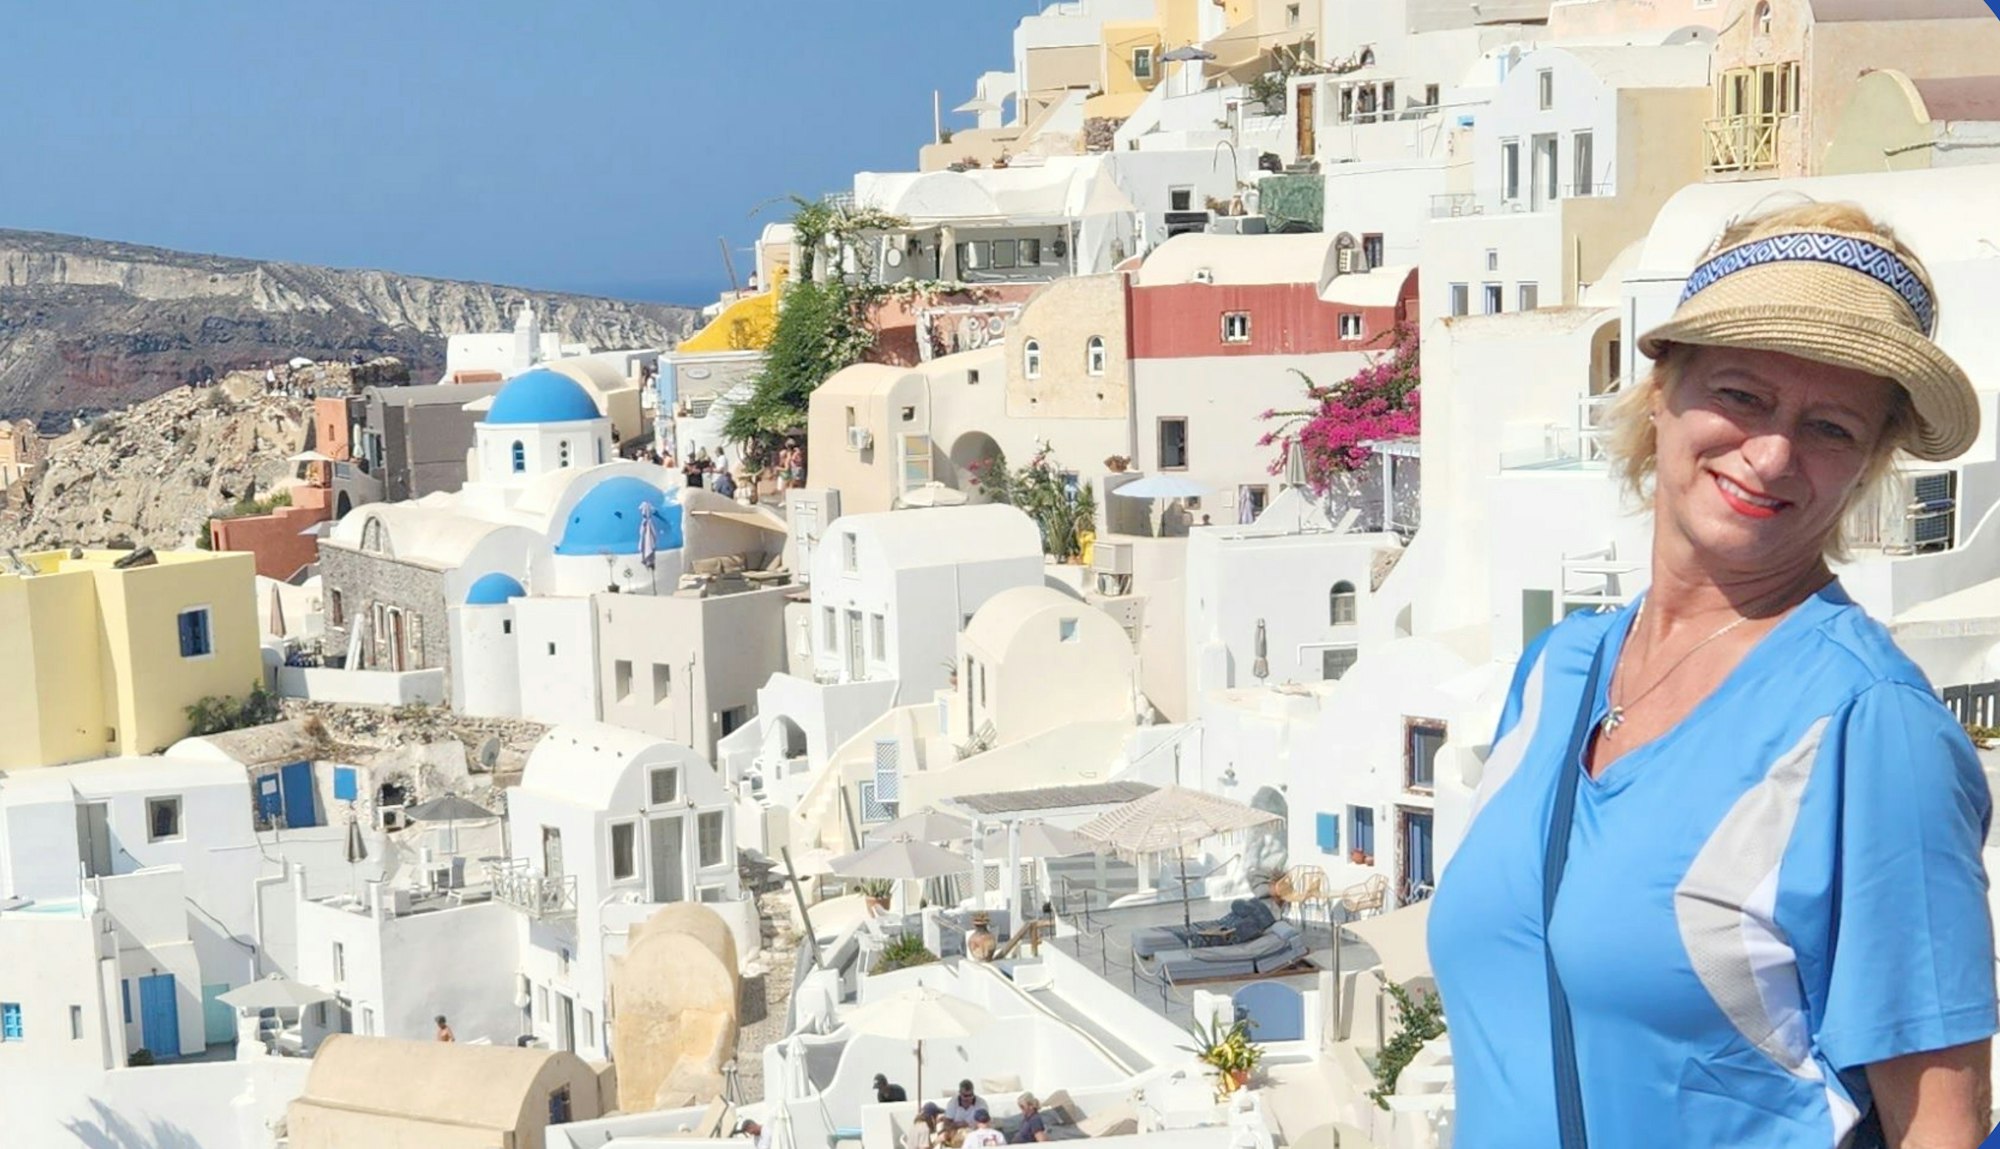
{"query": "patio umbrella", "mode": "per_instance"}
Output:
(918, 1015)
(1185, 53)
(1162, 487)
(924, 826)
(274, 992)
(448, 809)
(1041, 840)
(1172, 818)
(900, 859)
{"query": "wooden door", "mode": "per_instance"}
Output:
(1305, 112)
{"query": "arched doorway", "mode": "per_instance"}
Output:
(341, 505)
(974, 448)
(1268, 850)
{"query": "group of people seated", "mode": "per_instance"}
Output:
(965, 1121)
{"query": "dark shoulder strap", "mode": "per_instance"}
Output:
(1569, 1088)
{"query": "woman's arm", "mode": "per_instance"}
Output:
(1942, 1099)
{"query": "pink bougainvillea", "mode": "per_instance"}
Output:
(1378, 402)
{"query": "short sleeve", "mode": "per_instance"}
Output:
(1911, 966)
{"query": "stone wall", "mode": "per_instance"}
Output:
(362, 580)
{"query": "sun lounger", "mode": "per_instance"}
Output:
(1279, 947)
(1246, 920)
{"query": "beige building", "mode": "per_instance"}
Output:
(1893, 124)
(1583, 21)
(390, 1094)
(21, 452)
(1785, 69)
(1066, 355)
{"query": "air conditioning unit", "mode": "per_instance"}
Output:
(1922, 512)
(1111, 558)
(860, 438)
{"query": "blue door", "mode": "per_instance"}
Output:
(1417, 876)
(297, 781)
(159, 1016)
(270, 801)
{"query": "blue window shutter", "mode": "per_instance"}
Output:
(10, 1022)
(1329, 833)
(187, 635)
(344, 789)
(125, 997)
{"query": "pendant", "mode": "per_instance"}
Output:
(1612, 721)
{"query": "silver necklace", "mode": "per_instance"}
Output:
(1616, 717)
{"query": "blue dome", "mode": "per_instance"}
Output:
(606, 521)
(542, 396)
(493, 590)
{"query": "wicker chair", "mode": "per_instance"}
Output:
(1302, 886)
(1363, 900)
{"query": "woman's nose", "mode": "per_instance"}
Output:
(1770, 453)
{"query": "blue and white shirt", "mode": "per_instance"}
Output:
(1778, 892)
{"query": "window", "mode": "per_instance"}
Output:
(708, 839)
(972, 377)
(562, 453)
(1545, 86)
(830, 628)
(982, 684)
(1005, 253)
(339, 962)
(1496, 302)
(1142, 63)
(1336, 661)
(664, 785)
(1066, 630)
(10, 1021)
(559, 1105)
(1031, 359)
(1291, 15)
(1031, 252)
(914, 455)
(734, 719)
(1549, 184)
(1371, 248)
(1461, 299)
(1538, 613)
(1493, 259)
(1340, 604)
(878, 636)
(621, 680)
(336, 609)
(196, 641)
(589, 1028)
(76, 1023)
(1582, 161)
(542, 1002)
(1422, 741)
(1236, 327)
(1346, 104)
(367, 1022)
(1350, 325)
(552, 650)
(506, 626)
(520, 454)
(1388, 99)
(1430, 95)
(1251, 499)
(1764, 19)
(1093, 356)
(1180, 199)
(663, 682)
(1362, 836)
(624, 850)
(1173, 445)
(163, 819)
(850, 552)
(125, 998)
(1326, 833)
(1530, 296)
(1510, 170)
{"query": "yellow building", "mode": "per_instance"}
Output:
(97, 661)
(746, 324)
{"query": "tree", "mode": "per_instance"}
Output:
(1378, 402)
(1062, 507)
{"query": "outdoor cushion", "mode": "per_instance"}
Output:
(1058, 1109)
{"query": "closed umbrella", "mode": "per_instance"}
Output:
(356, 852)
(924, 826)
(918, 1015)
(277, 619)
(1262, 666)
(1172, 818)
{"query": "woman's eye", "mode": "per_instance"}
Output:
(1736, 398)
(1834, 431)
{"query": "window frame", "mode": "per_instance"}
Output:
(1422, 781)
(1510, 170)
(1583, 164)
(1160, 442)
(1545, 89)
(1527, 296)
(517, 456)
(1342, 605)
(703, 819)
(1331, 655)
(1240, 320)
(630, 830)
(165, 801)
(1031, 359)
(1352, 330)
(1494, 296)
(653, 775)
(1459, 302)
(1144, 66)
(206, 634)
(13, 1026)
(1095, 356)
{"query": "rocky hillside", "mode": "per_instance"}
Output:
(88, 325)
(154, 475)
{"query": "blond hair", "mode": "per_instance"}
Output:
(1628, 427)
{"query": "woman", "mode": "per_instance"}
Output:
(1757, 829)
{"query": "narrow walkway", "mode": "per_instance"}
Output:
(1070, 1014)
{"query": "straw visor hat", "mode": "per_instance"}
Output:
(1838, 298)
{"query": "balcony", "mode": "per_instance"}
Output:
(1455, 205)
(1743, 143)
(538, 895)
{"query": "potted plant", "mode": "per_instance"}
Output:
(1228, 1050)
(876, 891)
(901, 953)
(1361, 857)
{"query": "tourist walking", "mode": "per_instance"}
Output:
(1722, 880)
(444, 1032)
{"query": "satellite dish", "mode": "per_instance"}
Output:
(894, 257)
(996, 326)
(971, 333)
(488, 754)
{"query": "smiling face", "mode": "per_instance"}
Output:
(1759, 453)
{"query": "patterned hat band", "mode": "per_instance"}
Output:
(1872, 260)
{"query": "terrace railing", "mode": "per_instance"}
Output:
(1741, 143)
(542, 897)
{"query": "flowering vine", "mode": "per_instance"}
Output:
(1378, 402)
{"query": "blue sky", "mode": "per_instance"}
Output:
(594, 145)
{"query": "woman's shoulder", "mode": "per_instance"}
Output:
(1848, 651)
